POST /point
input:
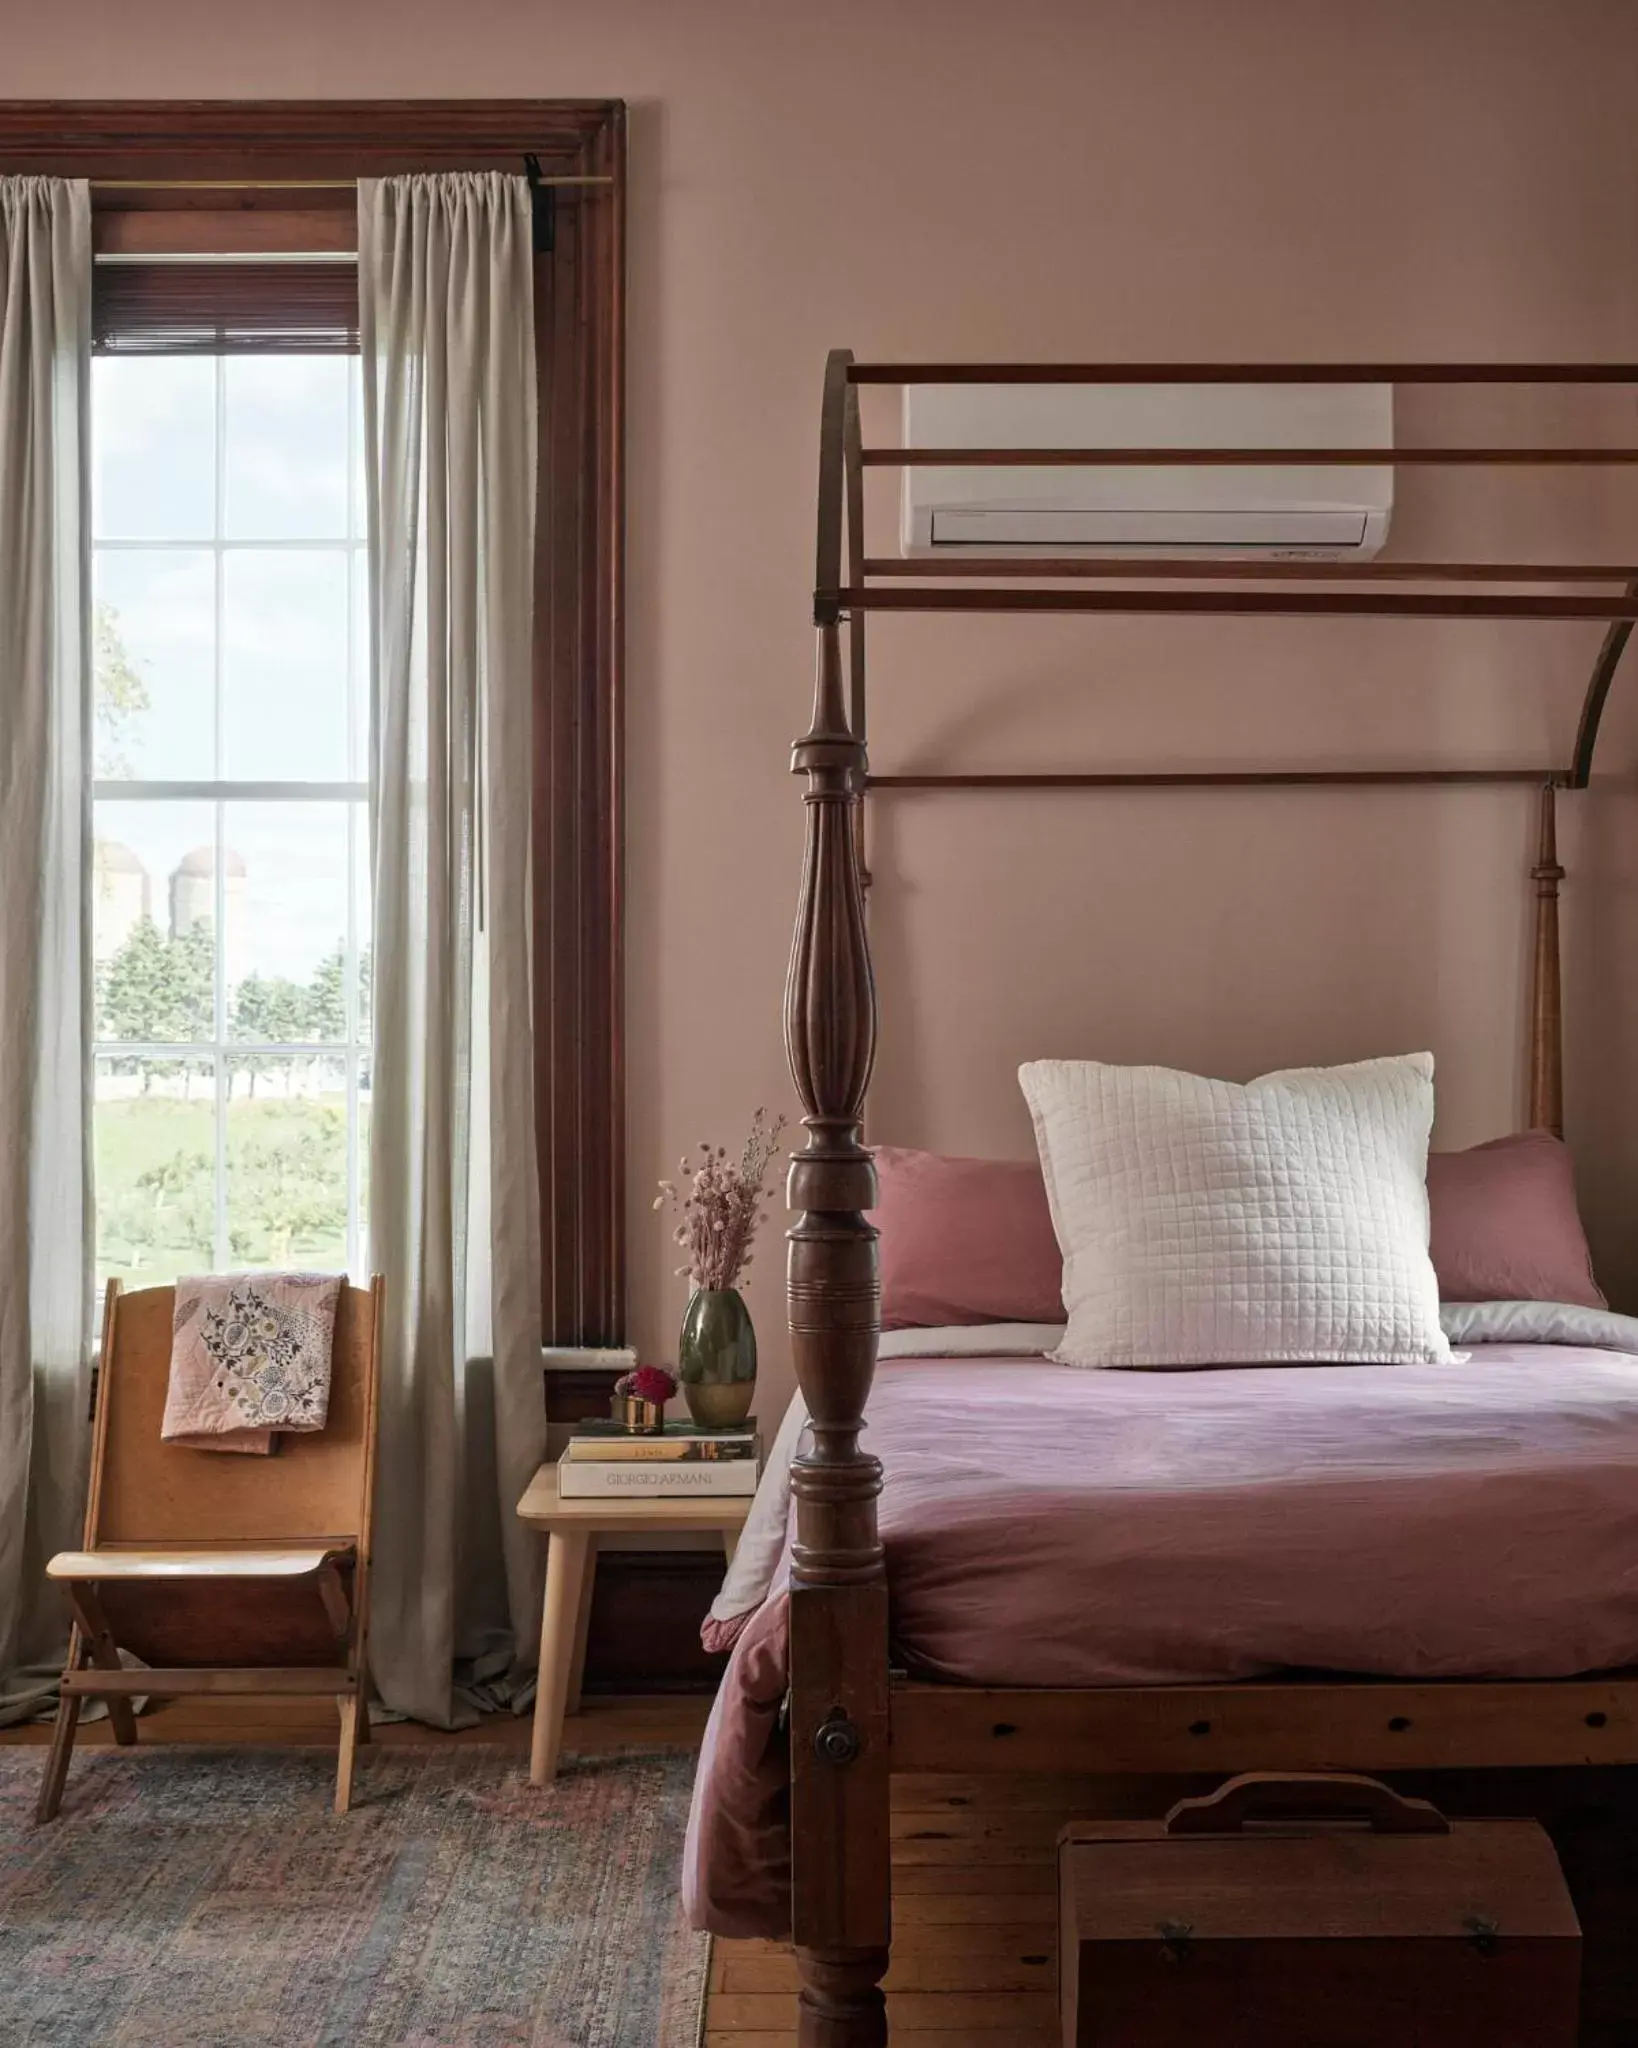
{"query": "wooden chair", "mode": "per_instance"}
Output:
(228, 1574)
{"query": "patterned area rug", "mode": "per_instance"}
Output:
(196, 1898)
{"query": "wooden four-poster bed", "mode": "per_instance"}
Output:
(851, 1723)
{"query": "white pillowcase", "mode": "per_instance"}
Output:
(972, 1340)
(1209, 1223)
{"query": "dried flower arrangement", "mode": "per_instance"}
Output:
(647, 1383)
(722, 1206)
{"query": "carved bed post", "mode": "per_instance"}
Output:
(838, 1616)
(1546, 1008)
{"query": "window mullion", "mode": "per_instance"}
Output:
(199, 1049)
(154, 790)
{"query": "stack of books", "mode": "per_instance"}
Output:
(604, 1461)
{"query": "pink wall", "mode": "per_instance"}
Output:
(1058, 178)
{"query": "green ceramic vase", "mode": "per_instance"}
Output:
(716, 1357)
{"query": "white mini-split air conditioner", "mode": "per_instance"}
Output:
(1227, 512)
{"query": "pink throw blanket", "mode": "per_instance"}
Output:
(250, 1357)
(1048, 1527)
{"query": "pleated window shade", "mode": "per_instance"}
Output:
(234, 308)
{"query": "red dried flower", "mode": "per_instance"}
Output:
(647, 1383)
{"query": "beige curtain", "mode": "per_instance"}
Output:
(45, 1024)
(446, 304)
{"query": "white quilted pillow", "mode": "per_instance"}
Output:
(1209, 1223)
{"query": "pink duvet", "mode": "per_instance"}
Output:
(1052, 1527)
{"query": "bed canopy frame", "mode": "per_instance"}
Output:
(851, 1722)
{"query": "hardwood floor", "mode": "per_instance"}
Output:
(974, 1911)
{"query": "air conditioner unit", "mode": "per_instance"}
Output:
(1227, 512)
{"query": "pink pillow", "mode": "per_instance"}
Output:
(1505, 1226)
(971, 1240)
(965, 1241)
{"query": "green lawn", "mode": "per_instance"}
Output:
(286, 1184)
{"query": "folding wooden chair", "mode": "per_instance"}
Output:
(227, 1574)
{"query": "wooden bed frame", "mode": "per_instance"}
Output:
(851, 1723)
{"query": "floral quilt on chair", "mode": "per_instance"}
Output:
(250, 1358)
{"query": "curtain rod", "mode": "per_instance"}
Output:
(282, 184)
(194, 259)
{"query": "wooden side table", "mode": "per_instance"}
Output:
(573, 1527)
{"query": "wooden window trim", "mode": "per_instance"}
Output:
(260, 151)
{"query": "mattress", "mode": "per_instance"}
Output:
(1045, 1526)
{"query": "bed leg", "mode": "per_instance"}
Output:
(839, 1709)
(841, 1876)
(841, 2004)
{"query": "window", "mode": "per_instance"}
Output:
(227, 225)
(230, 865)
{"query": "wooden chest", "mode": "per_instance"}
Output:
(1314, 1912)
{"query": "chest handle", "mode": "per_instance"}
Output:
(1304, 1799)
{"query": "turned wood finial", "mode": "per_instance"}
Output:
(1546, 1004)
(830, 1037)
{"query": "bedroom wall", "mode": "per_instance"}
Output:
(1057, 178)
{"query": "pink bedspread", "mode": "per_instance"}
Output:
(1051, 1527)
